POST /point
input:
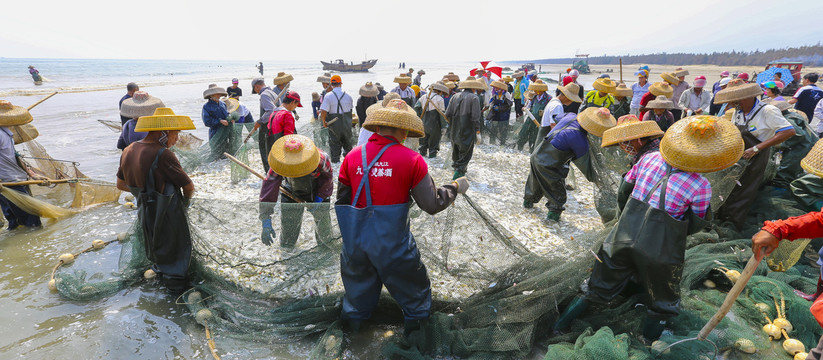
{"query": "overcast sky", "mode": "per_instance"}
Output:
(412, 30)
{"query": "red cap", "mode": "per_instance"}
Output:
(336, 79)
(743, 76)
(295, 96)
(701, 77)
(567, 80)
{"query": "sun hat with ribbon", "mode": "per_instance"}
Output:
(231, 105)
(538, 85)
(396, 114)
(628, 128)
(623, 90)
(661, 88)
(571, 92)
(605, 85)
(671, 78)
(702, 144)
(680, 72)
(163, 119)
(282, 78)
(470, 83)
(497, 84)
(440, 86)
(369, 90)
(402, 79)
(660, 102)
(813, 162)
(700, 81)
(214, 90)
(140, 104)
(23, 133)
(294, 156)
(11, 115)
(737, 90)
(596, 120)
(325, 78)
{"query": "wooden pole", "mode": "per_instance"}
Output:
(731, 297)
(41, 100)
(621, 69)
(255, 173)
(37, 182)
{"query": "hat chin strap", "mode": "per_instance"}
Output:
(164, 138)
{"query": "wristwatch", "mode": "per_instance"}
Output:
(755, 149)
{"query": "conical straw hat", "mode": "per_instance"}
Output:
(702, 144)
(622, 90)
(507, 79)
(680, 72)
(440, 86)
(813, 162)
(596, 120)
(452, 77)
(571, 92)
(782, 105)
(450, 85)
(402, 79)
(737, 90)
(212, 90)
(470, 83)
(13, 115)
(396, 114)
(661, 102)
(661, 88)
(369, 90)
(294, 156)
(282, 78)
(671, 78)
(539, 85)
(163, 119)
(325, 78)
(629, 127)
(140, 104)
(23, 133)
(605, 85)
(231, 105)
(499, 85)
(379, 105)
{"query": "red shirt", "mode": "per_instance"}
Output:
(807, 226)
(647, 97)
(281, 121)
(392, 178)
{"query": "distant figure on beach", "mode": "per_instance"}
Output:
(35, 74)
(260, 68)
(234, 91)
(419, 78)
(130, 89)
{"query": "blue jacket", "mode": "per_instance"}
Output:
(213, 112)
(128, 136)
(572, 137)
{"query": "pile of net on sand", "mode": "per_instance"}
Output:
(500, 274)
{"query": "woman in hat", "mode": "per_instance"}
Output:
(239, 114)
(696, 101)
(795, 148)
(635, 137)
(640, 88)
(153, 174)
(677, 80)
(368, 97)
(464, 112)
(655, 90)
(306, 175)
(234, 91)
(762, 126)
(141, 104)
(430, 109)
(215, 117)
(282, 122)
(404, 90)
(376, 183)
(521, 84)
(35, 75)
(666, 199)
(601, 95)
(622, 100)
(535, 106)
(772, 91)
(499, 112)
(659, 112)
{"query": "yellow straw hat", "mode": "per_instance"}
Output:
(231, 105)
(163, 119)
(605, 85)
(450, 84)
(507, 79)
(452, 77)
(596, 120)
(571, 92)
(403, 79)
(470, 83)
(499, 85)
(737, 90)
(680, 72)
(11, 115)
(813, 162)
(661, 102)
(622, 90)
(294, 156)
(628, 128)
(539, 85)
(661, 88)
(671, 78)
(397, 114)
(369, 90)
(23, 133)
(282, 78)
(140, 104)
(702, 144)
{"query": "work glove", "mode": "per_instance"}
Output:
(268, 235)
(318, 199)
(462, 184)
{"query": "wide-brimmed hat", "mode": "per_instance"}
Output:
(421, 72)
(379, 105)
(294, 156)
(449, 84)
(325, 78)
(140, 104)
(397, 114)
(570, 91)
(452, 77)
(782, 105)
(11, 115)
(163, 119)
(681, 72)
(671, 78)
(539, 85)
(661, 88)
(702, 144)
(519, 74)
(623, 90)
(214, 90)
(315, 96)
(628, 128)
(605, 85)
(660, 102)
(440, 86)
(499, 85)
(470, 83)
(813, 162)
(23, 133)
(737, 90)
(231, 105)
(369, 90)
(403, 79)
(282, 78)
(596, 120)
(507, 79)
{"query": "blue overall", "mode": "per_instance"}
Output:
(379, 249)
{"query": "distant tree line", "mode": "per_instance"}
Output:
(809, 55)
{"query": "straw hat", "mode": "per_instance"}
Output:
(813, 162)
(680, 72)
(737, 90)
(140, 104)
(622, 90)
(499, 85)
(315, 96)
(212, 90)
(402, 79)
(397, 114)
(470, 83)
(23, 133)
(596, 120)
(440, 86)
(369, 90)
(452, 77)
(421, 72)
(519, 74)
(507, 79)
(605, 85)
(283, 78)
(231, 105)
(163, 119)
(325, 78)
(570, 91)
(782, 105)
(539, 85)
(671, 78)
(702, 144)
(661, 102)
(379, 105)
(13, 115)
(628, 128)
(450, 84)
(294, 156)
(661, 88)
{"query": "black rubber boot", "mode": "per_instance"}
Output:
(652, 329)
(573, 311)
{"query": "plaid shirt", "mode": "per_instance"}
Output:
(685, 189)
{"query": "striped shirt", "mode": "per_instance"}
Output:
(685, 189)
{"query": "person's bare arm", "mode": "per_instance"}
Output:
(122, 185)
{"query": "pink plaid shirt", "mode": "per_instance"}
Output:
(685, 189)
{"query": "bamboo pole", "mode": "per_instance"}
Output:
(38, 182)
(255, 173)
(731, 297)
(41, 100)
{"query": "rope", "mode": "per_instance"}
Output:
(61, 263)
(210, 341)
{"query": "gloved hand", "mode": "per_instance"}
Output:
(268, 235)
(318, 199)
(462, 184)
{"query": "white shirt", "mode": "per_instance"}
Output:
(330, 102)
(404, 94)
(818, 114)
(765, 123)
(690, 101)
(553, 109)
(435, 102)
(637, 93)
(364, 136)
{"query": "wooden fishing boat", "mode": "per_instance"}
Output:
(340, 65)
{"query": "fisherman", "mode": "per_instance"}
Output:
(152, 173)
(267, 100)
(430, 109)
(519, 92)
(723, 75)
(215, 115)
(634, 137)
(580, 92)
(306, 175)
(554, 110)
(762, 127)
(365, 134)
(640, 88)
(695, 101)
(234, 91)
(141, 104)
(404, 90)
(528, 132)
(679, 87)
(601, 95)
(325, 83)
(281, 122)
(663, 198)
(382, 92)
(35, 74)
(464, 114)
(373, 215)
(622, 100)
(238, 114)
(807, 97)
(339, 105)
(130, 89)
(418, 78)
(795, 148)
(549, 163)
(660, 112)
(655, 90)
(368, 97)
(13, 168)
(499, 112)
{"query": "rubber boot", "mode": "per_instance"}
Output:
(352, 326)
(553, 215)
(458, 175)
(576, 307)
(528, 204)
(652, 329)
